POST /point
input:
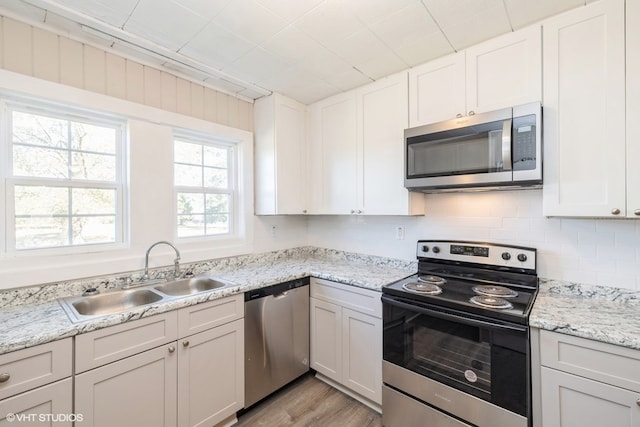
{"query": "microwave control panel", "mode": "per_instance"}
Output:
(524, 143)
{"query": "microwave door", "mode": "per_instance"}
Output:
(472, 155)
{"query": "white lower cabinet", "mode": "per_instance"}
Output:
(137, 391)
(585, 383)
(36, 386)
(346, 337)
(190, 379)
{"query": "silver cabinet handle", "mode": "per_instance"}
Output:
(615, 211)
(458, 115)
(472, 113)
(636, 212)
(352, 211)
(638, 402)
(304, 211)
(172, 349)
(4, 377)
(359, 211)
(185, 343)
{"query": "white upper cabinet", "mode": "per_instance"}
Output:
(584, 112)
(280, 156)
(502, 72)
(382, 118)
(356, 152)
(633, 108)
(333, 155)
(437, 90)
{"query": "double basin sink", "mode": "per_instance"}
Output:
(82, 308)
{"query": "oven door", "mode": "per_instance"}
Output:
(484, 358)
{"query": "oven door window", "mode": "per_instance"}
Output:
(480, 361)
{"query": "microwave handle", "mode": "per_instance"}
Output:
(506, 145)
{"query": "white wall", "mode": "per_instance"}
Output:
(591, 251)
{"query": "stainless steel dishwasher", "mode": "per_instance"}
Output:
(276, 334)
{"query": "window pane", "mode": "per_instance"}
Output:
(215, 156)
(100, 229)
(190, 225)
(217, 224)
(96, 167)
(39, 130)
(217, 203)
(40, 162)
(32, 200)
(189, 176)
(216, 178)
(185, 152)
(190, 203)
(86, 137)
(93, 201)
(33, 233)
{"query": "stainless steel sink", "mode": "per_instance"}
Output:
(191, 286)
(81, 308)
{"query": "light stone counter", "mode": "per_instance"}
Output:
(605, 314)
(32, 316)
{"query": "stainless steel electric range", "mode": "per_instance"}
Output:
(456, 337)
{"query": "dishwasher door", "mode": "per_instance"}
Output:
(276, 323)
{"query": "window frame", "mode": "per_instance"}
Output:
(232, 190)
(9, 104)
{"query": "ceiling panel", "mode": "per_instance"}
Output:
(523, 13)
(330, 23)
(250, 20)
(467, 22)
(255, 65)
(290, 10)
(216, 46)
(292, 44)
(206, 9)
(171, 25)
(373, 11)
(114, 12)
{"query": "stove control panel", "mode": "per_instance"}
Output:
(490, 254)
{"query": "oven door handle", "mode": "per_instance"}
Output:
(452, 317)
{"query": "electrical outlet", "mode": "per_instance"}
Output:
(400, 232)
(274, 231)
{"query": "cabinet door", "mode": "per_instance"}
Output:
(211, 375)
(584, 111)
(326, 338)
(280, 156)
(382, 118)
(138, 391)
(37, 407)
(633, 108)
(572, 401)
(505, 71)
(334, 134)
(362, 354)
(437, 90)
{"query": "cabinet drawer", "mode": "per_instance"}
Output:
(36, 406)
(107, 345)
(205, 316)
(36, 366)
(362, 300)
(603, 362)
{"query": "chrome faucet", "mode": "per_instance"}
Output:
(176, 262)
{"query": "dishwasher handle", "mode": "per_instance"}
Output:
(279, 290)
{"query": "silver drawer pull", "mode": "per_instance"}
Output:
(4, 377)
(185, 343)
(638, 402)
(636, 212)
(615, 211)
(172, 349)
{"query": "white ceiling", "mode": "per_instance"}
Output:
(304, 49)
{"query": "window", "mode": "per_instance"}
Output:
(65, 180)
(204, 179)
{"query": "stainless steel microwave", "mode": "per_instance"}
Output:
(495, 150)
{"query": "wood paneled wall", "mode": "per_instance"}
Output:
(39, 53)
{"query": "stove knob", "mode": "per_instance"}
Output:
(506, 256)
(425, 248)
(522, 257)
(436, 249)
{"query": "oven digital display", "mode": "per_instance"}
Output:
(469, 250)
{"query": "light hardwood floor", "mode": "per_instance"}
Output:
(309, 402)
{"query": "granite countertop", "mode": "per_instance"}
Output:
(599, 313)
(32, 316)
